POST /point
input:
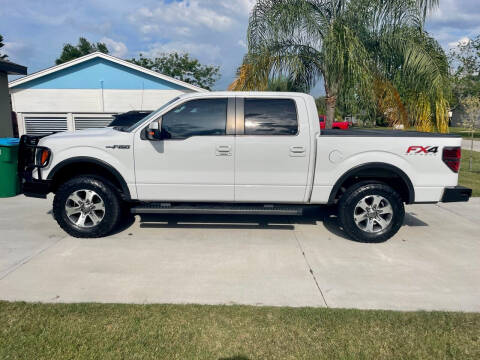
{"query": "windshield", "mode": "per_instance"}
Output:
(145, 119)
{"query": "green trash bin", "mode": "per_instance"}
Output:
(9, 182)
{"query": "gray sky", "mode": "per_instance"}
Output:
(212, 30)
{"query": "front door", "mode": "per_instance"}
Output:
(195, 159)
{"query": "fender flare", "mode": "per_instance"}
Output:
(374, 165)
(86, 159)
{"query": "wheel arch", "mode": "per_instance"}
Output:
(83, 165)
(378, 171)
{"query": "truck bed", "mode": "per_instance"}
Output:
(383, 133)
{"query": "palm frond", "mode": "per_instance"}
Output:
(441, 115)
(422, 113)
(427, 6)
(390, 103)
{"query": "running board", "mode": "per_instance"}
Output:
(227, 209)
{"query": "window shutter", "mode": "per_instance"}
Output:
(45, 125)
(84, 122)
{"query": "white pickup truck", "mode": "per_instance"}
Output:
(239, 153)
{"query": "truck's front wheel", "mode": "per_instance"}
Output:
(371, 212)
(87, 207)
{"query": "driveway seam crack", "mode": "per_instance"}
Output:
(310, 268)
(28, 258)
(454, 212)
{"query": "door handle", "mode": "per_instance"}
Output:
(298, 151)
(223, 150)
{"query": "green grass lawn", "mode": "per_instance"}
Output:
(96, 331)
(465, 133)
(468, 178)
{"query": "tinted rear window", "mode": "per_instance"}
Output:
(270, 117)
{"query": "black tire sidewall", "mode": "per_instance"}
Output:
(109, 196)
(347, 207)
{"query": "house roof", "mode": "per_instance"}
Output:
(107, 57)
(11, 68)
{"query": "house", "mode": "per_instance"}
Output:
(7, 68)
(460, 118)
(87, 92)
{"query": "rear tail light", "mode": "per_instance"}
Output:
(451, 157)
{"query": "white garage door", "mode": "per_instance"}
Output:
(89, 122)
(44, 125)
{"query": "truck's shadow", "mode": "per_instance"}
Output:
(325, 215)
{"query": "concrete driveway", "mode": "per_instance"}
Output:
(432, 263)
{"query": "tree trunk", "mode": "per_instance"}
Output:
(331, 104)
(471, 147)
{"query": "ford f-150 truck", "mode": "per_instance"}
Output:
(239, 153)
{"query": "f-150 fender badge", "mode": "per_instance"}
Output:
(422, 150)
(122, 147)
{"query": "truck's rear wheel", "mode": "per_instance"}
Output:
(371, 212)
(87, 207)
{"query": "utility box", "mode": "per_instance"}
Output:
(9, 180)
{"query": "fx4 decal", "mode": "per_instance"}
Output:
(422, 150)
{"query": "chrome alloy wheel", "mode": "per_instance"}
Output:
(85, 208)
(373, 214)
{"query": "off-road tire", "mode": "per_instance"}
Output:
(350, 199)
(108, 193)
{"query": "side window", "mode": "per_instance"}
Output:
(196, 118)
(270, 117)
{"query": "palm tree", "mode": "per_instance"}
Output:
(4, 56)
(282, 83)
(365, 46)
(411, 82)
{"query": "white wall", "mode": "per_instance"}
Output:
(88, 101)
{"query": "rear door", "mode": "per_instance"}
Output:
(272, 150)
(195, 160)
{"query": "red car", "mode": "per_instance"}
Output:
(343, 125)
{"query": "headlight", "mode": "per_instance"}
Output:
(42, 157)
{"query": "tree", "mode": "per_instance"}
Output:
(322, 108)
(2, 56)
(84, 47)
(181, 67)
(284, 84)
(356, 47)
(411, 80)
(465, 69)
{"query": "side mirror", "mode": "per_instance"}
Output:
(153, 131)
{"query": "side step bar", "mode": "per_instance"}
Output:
(227, 209)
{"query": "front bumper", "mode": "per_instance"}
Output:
(456, 194)
(36, 188)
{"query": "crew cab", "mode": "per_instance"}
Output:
(239, 153)
(340, 125)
